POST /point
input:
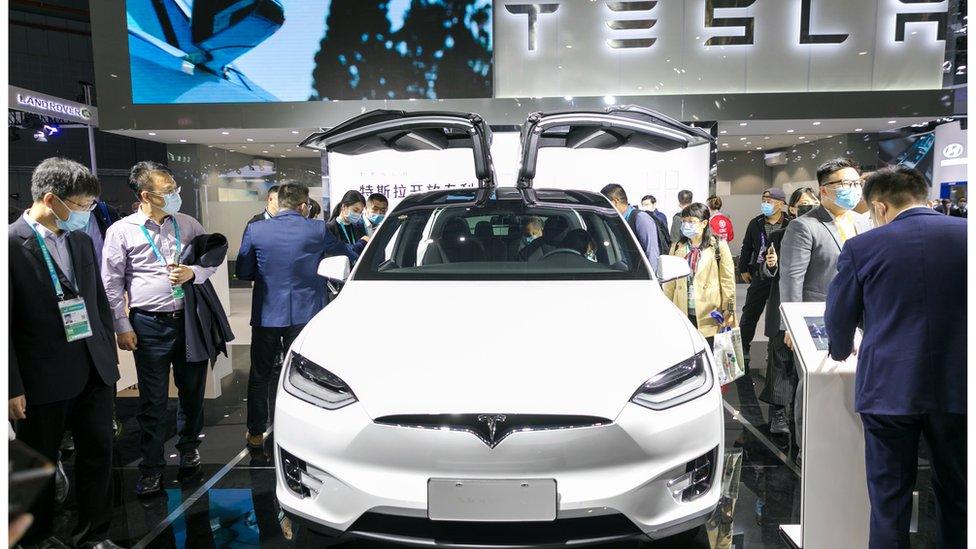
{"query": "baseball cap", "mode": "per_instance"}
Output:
(776, 193)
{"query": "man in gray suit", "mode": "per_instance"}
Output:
(812, 242)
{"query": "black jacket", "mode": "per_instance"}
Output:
(105, 216)
(357, 231)
(257, 217)
(207, 328)
(773, 325)
(44, 367)
(753, 252)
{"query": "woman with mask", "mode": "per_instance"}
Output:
(711, 287)
(781, 375)
(346, 222)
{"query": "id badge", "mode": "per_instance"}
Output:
(74, 315)
(178, 292)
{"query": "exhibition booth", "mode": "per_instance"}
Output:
(720, 99)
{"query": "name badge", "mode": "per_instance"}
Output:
(74, 316)
(178, 292)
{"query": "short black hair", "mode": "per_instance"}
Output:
(614, 193)
(799, 193)
(899, 186)
(685, 197)
(292, 195)
(714, 203)
(649, 197)
(314, 209)
(140, 176)
(578, 240)
(700, 211)
(833, 165)
(272, 190)
(378, 197)
(63, 178)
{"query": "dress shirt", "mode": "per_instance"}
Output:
(57, 244)
(130, 266)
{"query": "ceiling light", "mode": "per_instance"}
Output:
(569, 46)
(233, 150)
(723, 132)
(767, 137)
(816, 123)
(225, 133)
(802, 137)
(892, 121)
(568, 97)
(249, 139)
(758, 148)
(287, 150)
(862, 53)
(182, 140)
(282, 156)
(742, 139)
(790, 131)
(609, 99)
(725, 144)
(294, 132)
(743, 123)
(859, 129)
(272, 145)
(152, 133)
(265, 152)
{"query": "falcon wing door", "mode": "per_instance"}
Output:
(411, 131)
(611, 128)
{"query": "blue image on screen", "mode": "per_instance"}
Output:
(236, 51)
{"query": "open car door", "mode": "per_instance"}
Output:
(411, 131)
(611, 128)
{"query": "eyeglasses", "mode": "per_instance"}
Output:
(845, 183)
(177, 190)
(82, 207)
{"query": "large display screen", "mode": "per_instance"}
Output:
(231, 51)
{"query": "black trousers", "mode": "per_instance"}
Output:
(267, 345)
(891, 452)
(162, 343)
(756, 298)
(89, 416)
(781, 378)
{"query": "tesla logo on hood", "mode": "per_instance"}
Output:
(492, 420)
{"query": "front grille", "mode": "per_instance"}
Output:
(560, 532)
(492, 428)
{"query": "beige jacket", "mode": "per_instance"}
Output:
(714, 285)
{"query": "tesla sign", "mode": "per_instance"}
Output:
(639, 47)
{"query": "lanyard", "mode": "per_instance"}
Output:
(155, 249)
(345, 232)
(50, 265)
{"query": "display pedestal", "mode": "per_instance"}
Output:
(834, 508)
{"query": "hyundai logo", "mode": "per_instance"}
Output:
(953, 150)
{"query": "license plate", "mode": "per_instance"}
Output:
(491, 500)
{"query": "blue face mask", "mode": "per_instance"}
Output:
(766, 208)
(528, 239)
(848, 198)
(173, 203)
(353, 218)
(689, 230)
(375, 219)
(76, 221)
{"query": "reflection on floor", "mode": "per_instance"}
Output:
(232, 505)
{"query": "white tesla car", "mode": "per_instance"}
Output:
(524, 394)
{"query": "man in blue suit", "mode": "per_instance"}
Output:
(281, 255)
(905, 284)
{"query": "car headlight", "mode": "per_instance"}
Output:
(314, 384)
(678, 384)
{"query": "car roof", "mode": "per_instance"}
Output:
(555, 198)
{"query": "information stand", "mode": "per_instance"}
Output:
(834, 509)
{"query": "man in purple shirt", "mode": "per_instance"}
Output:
(141, 263)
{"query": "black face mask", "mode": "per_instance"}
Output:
(805, 209)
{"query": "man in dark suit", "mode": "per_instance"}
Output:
(905, 282)
(63, 364)
(282, 255)
(270, 209)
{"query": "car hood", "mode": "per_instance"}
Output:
(553, 347)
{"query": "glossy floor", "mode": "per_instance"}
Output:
(232, 503)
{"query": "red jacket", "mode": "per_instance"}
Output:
(722, 226)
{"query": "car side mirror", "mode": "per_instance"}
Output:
(670, 267)
(334, 268)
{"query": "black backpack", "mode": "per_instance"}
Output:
(663, 236)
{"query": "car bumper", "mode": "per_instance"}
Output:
(362, 469)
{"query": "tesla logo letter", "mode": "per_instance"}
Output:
(492, 421)
(942, 18)
(631, 24)
(532, 11)
(748, 24)
(806, 37)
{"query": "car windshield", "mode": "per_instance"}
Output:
(503, 240)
